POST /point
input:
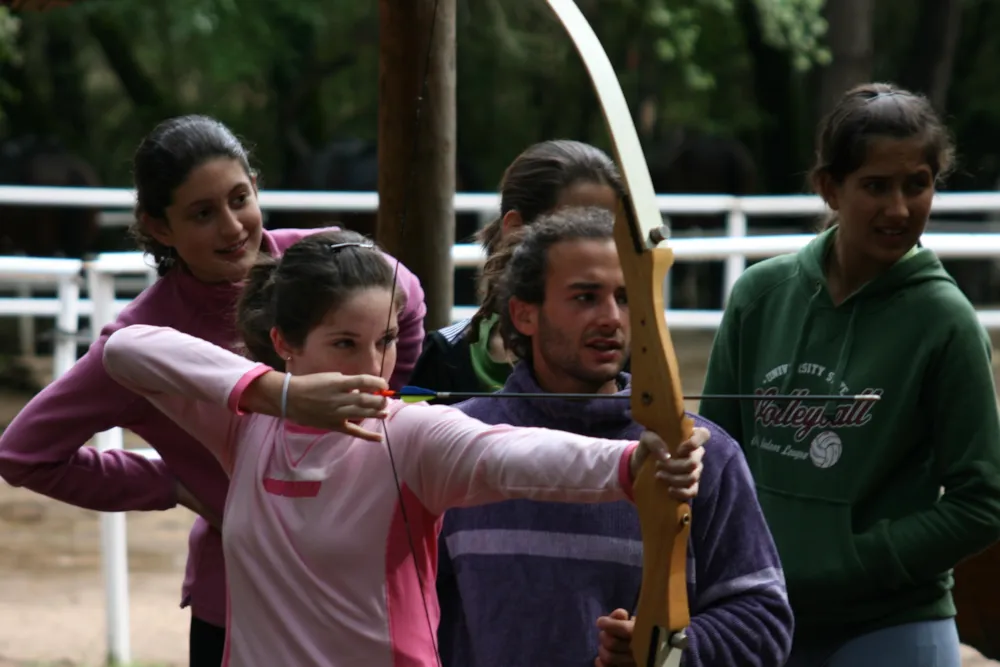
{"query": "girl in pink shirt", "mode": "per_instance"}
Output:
(198, 218)
(330, 539)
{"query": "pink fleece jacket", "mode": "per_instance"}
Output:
(43, 448)
(321, 571)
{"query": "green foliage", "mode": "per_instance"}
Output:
(287, 74)
(9, 27)
(247, 62)
(797, 26)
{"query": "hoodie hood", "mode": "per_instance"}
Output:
(919, 265)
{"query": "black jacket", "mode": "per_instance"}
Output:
(445, 364)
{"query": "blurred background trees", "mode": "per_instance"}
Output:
(735, 83)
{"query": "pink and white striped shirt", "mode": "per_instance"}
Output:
(320, 570)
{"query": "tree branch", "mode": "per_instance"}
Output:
(141, 88)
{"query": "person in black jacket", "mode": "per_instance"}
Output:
(469, 355)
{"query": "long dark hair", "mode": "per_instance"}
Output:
(163, 161)
(519, 268)
(877, 110)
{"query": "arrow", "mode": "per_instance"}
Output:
(411, 394)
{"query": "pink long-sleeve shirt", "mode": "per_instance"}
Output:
(43, 448)
(319, 566)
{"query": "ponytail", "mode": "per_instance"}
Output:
(489, 237)
(255, 312)
(490, 280)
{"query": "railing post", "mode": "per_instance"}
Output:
(26, 324)
(736, 226)
(114, 544)
(67, 326)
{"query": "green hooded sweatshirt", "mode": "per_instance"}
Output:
(852, 490)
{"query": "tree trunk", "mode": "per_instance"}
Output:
(849, 36)
(114, 40)
(775, 145)
(26, 111)
(67, 77)
(416, 219)
(928, 67)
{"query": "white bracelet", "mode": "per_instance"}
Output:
(284, 395)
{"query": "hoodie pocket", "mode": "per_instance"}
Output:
(816, 543)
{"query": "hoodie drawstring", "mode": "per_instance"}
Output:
(830, 407)
(800, 341)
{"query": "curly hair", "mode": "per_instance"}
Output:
(519, 268)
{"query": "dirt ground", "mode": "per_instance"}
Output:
(51, 586)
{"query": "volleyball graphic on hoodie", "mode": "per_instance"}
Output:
(825, 449)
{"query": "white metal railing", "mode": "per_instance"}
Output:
(102, 306)
(736, 209)
(114, 541)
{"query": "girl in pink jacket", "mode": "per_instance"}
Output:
(198, 217)
(330, 538)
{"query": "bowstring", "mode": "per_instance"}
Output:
(395, 275)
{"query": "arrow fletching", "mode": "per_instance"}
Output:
(411, 394)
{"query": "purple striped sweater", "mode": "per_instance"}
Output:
(523, 582)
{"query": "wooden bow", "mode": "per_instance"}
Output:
(662, 615)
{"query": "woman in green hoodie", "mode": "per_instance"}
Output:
(852, 490)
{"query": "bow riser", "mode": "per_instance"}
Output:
(657, 403)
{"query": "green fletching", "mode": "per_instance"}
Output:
(416, 399)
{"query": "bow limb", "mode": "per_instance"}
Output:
(657, 401)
